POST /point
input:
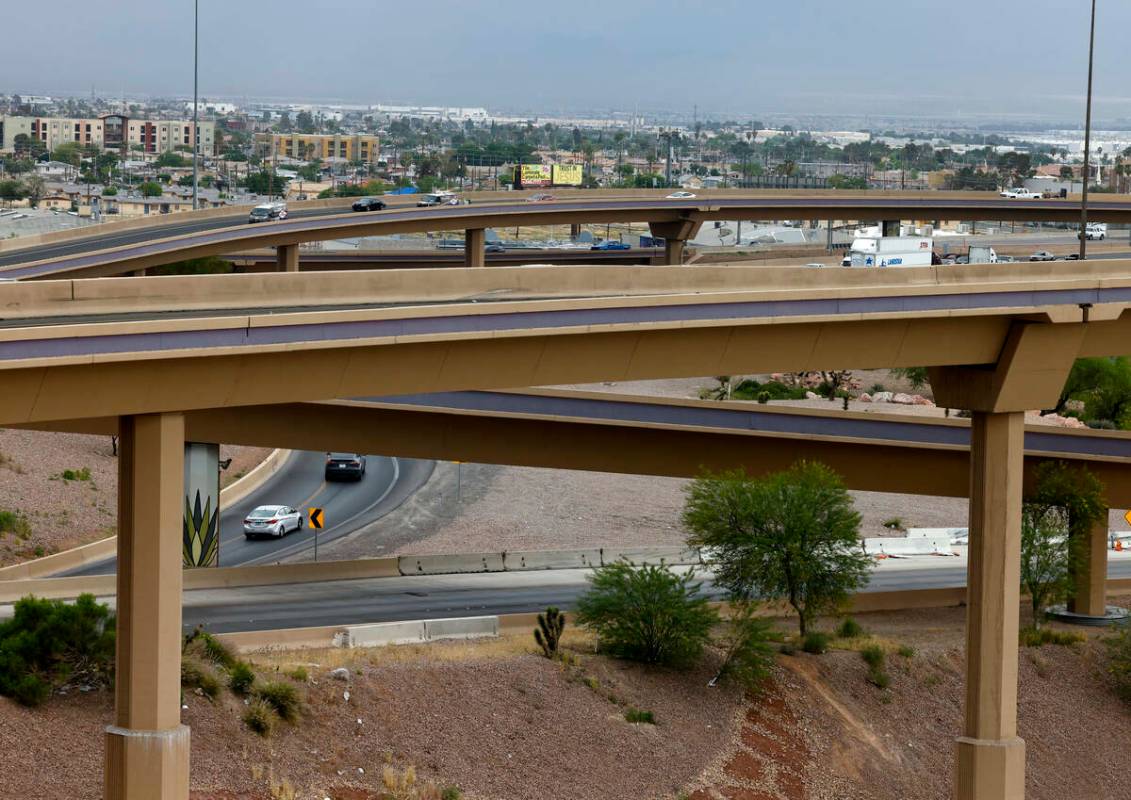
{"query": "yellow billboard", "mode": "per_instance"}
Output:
(567, 174)
(535, 175)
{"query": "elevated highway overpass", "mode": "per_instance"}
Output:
(101, 252)
(156, 353)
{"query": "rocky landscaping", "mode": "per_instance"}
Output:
(494, 720)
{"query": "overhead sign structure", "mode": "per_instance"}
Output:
(534, 175)
(316, 518)
(567, 174)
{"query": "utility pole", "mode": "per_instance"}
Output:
(195, 102)
(1087, 140)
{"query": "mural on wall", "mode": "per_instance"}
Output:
(201, 528)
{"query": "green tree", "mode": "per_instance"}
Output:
(1080, 495)
(68, 153)
(171, 159)
(649, 613)
(263, 182)
(34, 186)
(918, 377)
(150, 189)
(11, 190)
(1104, 386)
(1045, 575)
(792, 535)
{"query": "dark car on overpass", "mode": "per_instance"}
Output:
(345, 466)
(368, 204)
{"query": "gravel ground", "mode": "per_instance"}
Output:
(510, 727)
(503, 724)
(66, 513)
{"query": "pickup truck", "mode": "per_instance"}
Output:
(1021, 194)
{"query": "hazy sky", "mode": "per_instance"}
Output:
(749, 56)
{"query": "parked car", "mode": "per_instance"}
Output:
(1021, 194)
(681, 195)
(267, 212)
(275, 521)
(611, 244)
(345, 466)
(368, 204)
(540, 198)
(494, 247)
(1072, 257)
(1042, 255)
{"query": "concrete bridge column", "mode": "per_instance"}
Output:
(1089, 573)
(474, 247)
(675, 236)
(1031, 369)
(286, 257)
(990, 758)
(147, 747)
(574, 231)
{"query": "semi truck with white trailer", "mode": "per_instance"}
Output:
(891, 251)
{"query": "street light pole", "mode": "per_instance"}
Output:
(195, 101)
(1087, 140)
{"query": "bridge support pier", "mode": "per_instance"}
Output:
(574, 231)
(147, 747)
(990, 758)
(1089, 573)
(475, 247)
(675, 236)
(286, 257)
(1032, 368)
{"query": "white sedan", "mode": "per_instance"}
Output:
(275, 521)
(681, 196)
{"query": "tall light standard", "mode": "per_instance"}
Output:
(1087, 141)
(195, 102)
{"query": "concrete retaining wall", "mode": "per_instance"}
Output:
(911, 546)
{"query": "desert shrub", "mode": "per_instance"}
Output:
(283, 697)
(647, 613)
(299, 674)
(815, 642)
(451, 793)
(197, 674)
(204, 645)
(241, 678)
(906, 651)
(636, 715)
(787, 649)
(259, 717)
(1038, 637)
(874, 657)
(764, 397)
(749, 656)
(47, 643)
(548, 634)
(773, 390)
(849, 629)
(82, 474)
(15, 523)
(1119, 661)
(894, 524)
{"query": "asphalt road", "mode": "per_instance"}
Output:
(392, 599)
(300, 483)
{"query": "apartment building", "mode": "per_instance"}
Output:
(110, 131)
(309, 146)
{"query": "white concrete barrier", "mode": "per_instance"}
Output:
(912, 546)
(381, 633)
(673, 556)
(518, 561)
(461, 628)
(956, 535)
(452, 564)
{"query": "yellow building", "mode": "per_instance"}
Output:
(309, 146)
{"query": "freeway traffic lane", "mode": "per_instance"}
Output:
(440, 596)
(300, 483)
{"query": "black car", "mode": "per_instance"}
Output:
(345, 466)
(368, 204)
